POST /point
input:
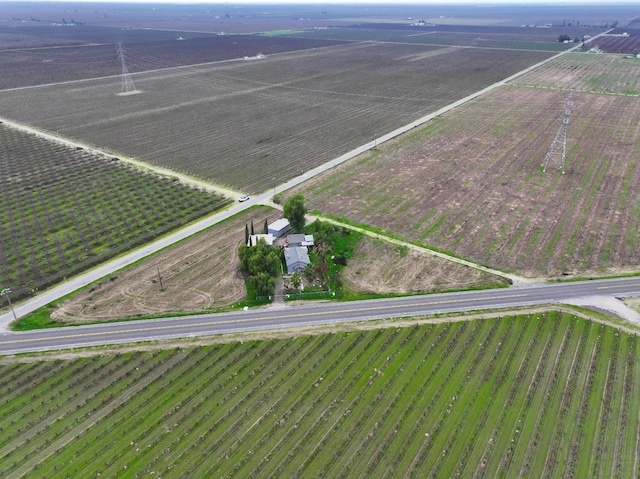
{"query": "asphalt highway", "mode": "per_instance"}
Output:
(313, 314)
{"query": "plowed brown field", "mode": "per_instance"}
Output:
(470, 182)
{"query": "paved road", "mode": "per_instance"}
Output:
(309, 315)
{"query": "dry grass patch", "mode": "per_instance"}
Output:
(382, 268)
(198, 274)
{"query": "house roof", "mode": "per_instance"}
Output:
(268, 238)
(299, 240)
(296, 256)
(295, 238)
(279, 225)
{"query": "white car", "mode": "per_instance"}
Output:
(243, 198)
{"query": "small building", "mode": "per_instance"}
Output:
(268, 238)
(279, 227)
(297, 259)
(299, 240)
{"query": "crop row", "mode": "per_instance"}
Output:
(612, 74)
(501, 397)
(257, 123)
(63, 210)
(618, 44)
(146, 50)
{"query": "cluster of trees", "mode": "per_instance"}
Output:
(603, 24)
(262, 263)
(265, 230)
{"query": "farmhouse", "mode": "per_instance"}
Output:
(297, 258)
(279, 227)
(268, 238)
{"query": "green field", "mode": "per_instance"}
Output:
(545, 395)
(589, 72)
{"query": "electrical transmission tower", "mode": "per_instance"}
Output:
(557, 153)
(127, 81)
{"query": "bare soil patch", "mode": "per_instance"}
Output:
(198, 274)
(381, 268)
(633, 303)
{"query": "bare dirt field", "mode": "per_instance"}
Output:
(381, 268)
(470, 182)
(39, 55)
(253, 124)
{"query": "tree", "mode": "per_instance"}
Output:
(309, 273)
(262, 263)
(322, 232)
(263, 284)
(246, 234)
(252, 232)
(296, 280)
(294, 210)
(265, 228)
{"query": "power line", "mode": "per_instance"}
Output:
(127, 85)
(558, 151)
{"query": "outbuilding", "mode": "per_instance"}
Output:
(268, 238)
(299, 240)
(279, 227)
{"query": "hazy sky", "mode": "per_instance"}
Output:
(352, 2)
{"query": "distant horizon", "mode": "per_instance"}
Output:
(512, 3)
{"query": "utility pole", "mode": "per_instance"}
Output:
(5, 292)
(127, 85)
(557, 152)
(160, 278)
